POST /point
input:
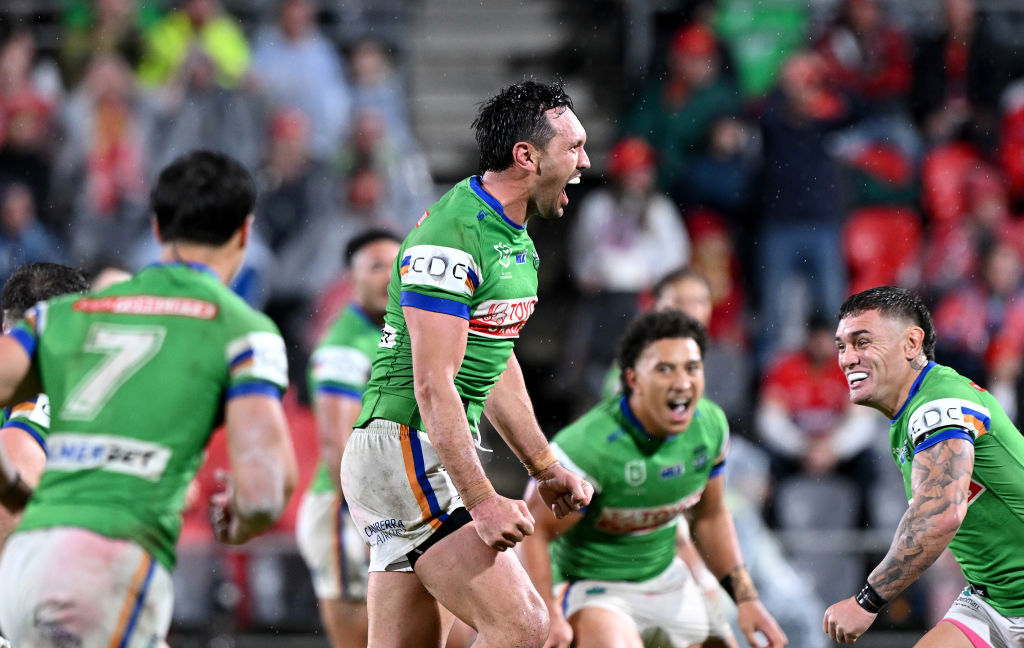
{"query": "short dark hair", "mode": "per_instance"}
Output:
(654, 326)
(202, 197)
(35, 282)
(677, 275)
(894, 302)
(364, 238)
(516, 114)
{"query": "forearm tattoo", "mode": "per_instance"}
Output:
(742, 585)
(939, 483)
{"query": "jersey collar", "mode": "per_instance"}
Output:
(491, 201)
(644, 439)
(190, 264)
(913, 389)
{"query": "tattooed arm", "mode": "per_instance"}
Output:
(939, 484)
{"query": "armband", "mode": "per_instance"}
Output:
(476, 492)
(869, 599)
(540, 462)
(738, 585)
(15, 496)
(940, 414)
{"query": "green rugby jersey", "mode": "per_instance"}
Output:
(31, 417)
(138, 376)
(642, 484)
(465, 258)
(990, 543)
(340, 366)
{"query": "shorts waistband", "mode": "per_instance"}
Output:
(391, 429)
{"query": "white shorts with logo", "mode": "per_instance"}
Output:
(398, 492)
(671, 603)
(983, 624)
(332, 547)
(77, 588)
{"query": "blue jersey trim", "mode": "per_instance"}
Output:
(913, 389)
(492, 202)
(435, 304)
(21, 425)
(978, 415)
(627, 411)
(26, 341)
(189, 264)
(137, 609)
(421, 476)
(334, 390)
(241, 357)
(565, 599)
(254, 388)
(945, 435)
(717, 470)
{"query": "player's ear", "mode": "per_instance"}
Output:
(156, 230)
(629, 375)
(913, 342)
(246, 230)
(525, 156)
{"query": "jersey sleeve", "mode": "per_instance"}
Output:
(720, 437)
(440, 273)
(339, 370)
(574, 454)
(28, 330)
(33, 418)
(947, 418)
(256, 359)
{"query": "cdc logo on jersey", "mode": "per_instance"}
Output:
(441, 267)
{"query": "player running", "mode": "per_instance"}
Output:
(962, 461)
(329, 541)
(463, 286)
(138, 376)
(652, 454)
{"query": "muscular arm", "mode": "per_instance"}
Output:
(509, 409)
(28, 459)
(939, 485)
(18, 381)
(335, 415)
(263, 467)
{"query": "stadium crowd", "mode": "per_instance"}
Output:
(856, 152)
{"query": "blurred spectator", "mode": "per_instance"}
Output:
(299, 68)
(101, 164)
(959, 73)
(674, 113)
(23, 239)
(980, 326)
(1011, 139)
(197, 28)
(378, 87)
(623, 239)
(805, 418)
(721, 175)
(761, 36)
(802, 204)
(102, 27)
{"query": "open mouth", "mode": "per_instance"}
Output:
(572, 181)
(855, 378)
(679, 408)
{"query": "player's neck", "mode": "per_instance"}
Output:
(511, 189)
(223, 263)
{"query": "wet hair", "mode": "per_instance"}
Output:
(361, 240)
(677, 275)
(35, 282)
(651, 327)
(895, 303)
(516, 114)
(202, 197)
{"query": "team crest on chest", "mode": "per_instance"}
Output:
(504, 254)
(636, 472)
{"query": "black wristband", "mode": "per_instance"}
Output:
(15, 496)
(726, 582)
(869, 599)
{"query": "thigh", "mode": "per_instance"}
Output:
(83, 589)
(345, 622)
(401, 613)
(603, 627)
(332, 547)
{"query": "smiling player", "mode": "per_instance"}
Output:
(652, 454)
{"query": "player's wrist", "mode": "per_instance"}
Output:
(476, 492)
(739, 586)
(869, 599)
(14, 496)
(540, 462)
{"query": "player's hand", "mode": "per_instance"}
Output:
(560, 632)
(227, 527)
(502, 522)
(846, 621)
(753, 618)
(563, 491)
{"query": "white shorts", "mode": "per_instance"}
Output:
(671, 602)
(398, 493)
(78, 588)
(983, 624)
(332, 547)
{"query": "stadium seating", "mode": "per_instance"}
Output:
(882, 246)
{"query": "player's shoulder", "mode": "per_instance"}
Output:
(709, 414)
(457, 213)
(945, 399)
(598, 427)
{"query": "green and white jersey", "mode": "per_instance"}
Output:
(642, 484)
(464, 258)
(990, 543)
(340, 366)
(31, 417)
(138, 376)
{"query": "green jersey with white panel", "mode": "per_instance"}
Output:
(467, 259)
(340, 367)
(642, 484)
(138, 376)
(989, 546)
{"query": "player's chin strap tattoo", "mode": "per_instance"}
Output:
(14, 491)
(738, 585)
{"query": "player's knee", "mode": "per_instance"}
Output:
(526, 627)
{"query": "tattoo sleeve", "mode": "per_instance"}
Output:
(939, 484)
